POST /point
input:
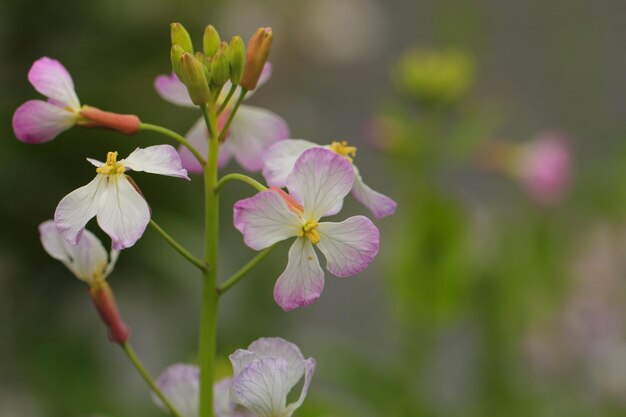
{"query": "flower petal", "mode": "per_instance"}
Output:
(280, 158)
(37, 121)
(180, 383)
(198, 136)
(254, 129)
(379, 204)
(158, 159)
(123, 213)
(265, 219)
(277, 347)
(320, 179)
(51, 79)
(222, 405)
(309, 369)
(77, 208)
(302, 281)
(261, 387)
(349, 246)
(171, 89)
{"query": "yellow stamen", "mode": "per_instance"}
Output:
(308, 230)
(112, 167)
(343, 149)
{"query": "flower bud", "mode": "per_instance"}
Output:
(128, 124)
(236, 59)
(210, 41)
(220, 68)
(181, 37)
(175, 54)
(256, 56)
(103, 299)
(193, 76)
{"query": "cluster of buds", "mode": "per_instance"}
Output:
(219, 62)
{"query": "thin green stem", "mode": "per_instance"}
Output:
(179, 138)
(239, 177)
(130, 352)
(177, 246)
(237, 276)
(222, 134)
(232, 90)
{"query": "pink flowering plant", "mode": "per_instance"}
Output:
(305, 182)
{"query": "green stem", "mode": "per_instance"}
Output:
(237, 276)
(232, 90)
(130, 352)
(178, 247)
(208, 319)
(222, 134)
(179, 138)
(239, 177)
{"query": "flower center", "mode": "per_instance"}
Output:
(308, 230)
(112, 167)
(343, 149)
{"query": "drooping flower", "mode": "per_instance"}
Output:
(180, 383)
(320, 179)
(266, 372)
(38, 121)
(114, 199)
(279, 160)
(252, 130)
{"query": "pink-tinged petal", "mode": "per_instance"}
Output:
(309, 369)
(265, 76)
(252, 131)
(198, 136)
(320, 179)
(38, 121)
(261, 388)
(171, 89)
(265, 219)
(222, 405)
(158, 159)
(78, 207)
(123, 213)
(379, 204)
(277, 347)
(50, 78)
(279, 159)
(266, 73)
(349, 246)
(180, 384)
(302, 281)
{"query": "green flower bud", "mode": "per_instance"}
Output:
(175, 54)
(236, 59)
(220, 68)
(210, 41)
(193, 76)
(256, 56)
(181, 37)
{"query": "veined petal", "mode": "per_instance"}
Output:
(261, 387)
(265, 219)
(50, 78)
(379, 204)
(171, 89)
(320, 179)
(158, 159)
(302, 281)
(254, 129)
(37, 121)
(349, 246)
(309, 369)
(280, 348)
(123, 213)
(77, 208)
(198, 136)
(222, 405)
(180, 384)
(280, 158)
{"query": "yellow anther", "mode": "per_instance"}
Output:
(343, 149)
(111, 167)
(308, 230)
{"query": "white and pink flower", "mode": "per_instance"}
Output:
(112, 197)
(319, 181)
(252, 130)
(280, 158)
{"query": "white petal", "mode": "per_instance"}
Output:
(309, 368)
(280, 158)
(113, 255)
(180, 384)
(252, 131)
(51, 79)
(78, 207)
(277, 347)
(171, 89)
(320, 179)
(261, 387)
(198, 136)
(123, 213)
(95, 162)
(349, 246)
(379, 204)
(158, 159)
(302, 281)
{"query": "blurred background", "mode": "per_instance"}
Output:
(499, 128)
